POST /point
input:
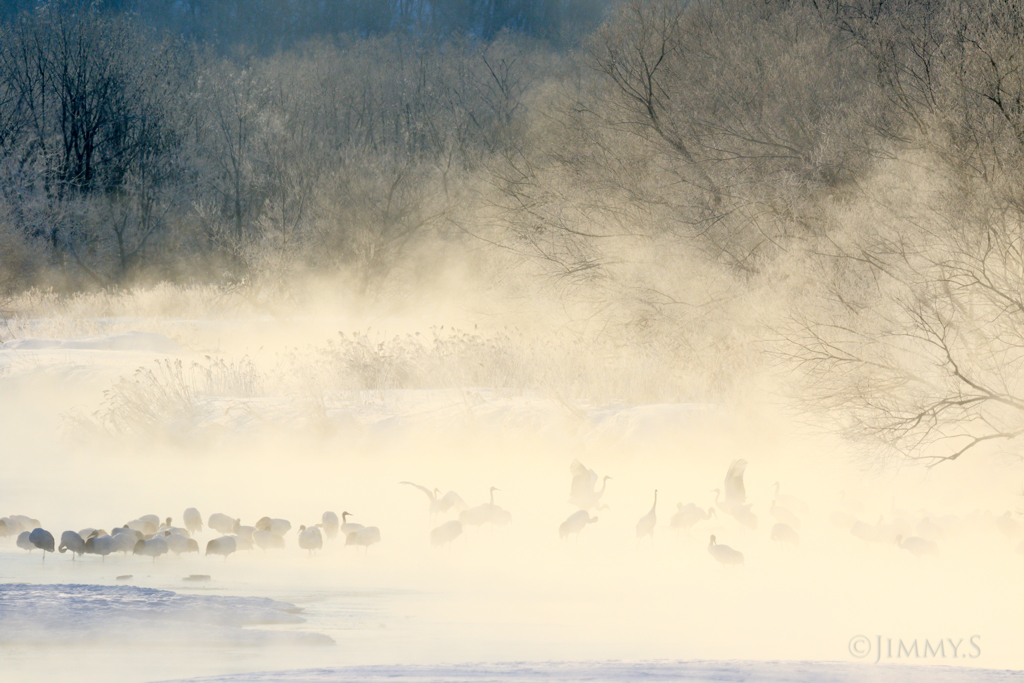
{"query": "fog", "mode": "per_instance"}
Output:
(498, 593)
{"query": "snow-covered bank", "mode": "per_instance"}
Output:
(627, 672)
(132, 615)
(125, 341)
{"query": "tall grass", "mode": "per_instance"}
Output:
(178, 401)
(170, 399)
(505, 361)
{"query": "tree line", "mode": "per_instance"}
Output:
(266, 25)
(127, 152)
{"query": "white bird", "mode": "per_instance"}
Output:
(310, 539)
(167, 526)
(740, 512)
(917, 545)
(42, 539)
(688, 515)
(784, 515)
(575, 523)
(745, 516)
(138, 525)
(485, 513)
(18, 523)
(88, 531)
(243, 543)
(348, 527)
(791, 502)
(243, 531)
(128, 531)
(102, 545)
(278, 527)
(193, 520)
(783, 533)
(267, 540)
(724, 553)
(864, 531)
(178, 543)
(888, 532)
(147, 524)
(450, 501)
(150, 519)
(735, 492)
(221, 522)
(501, 516)
(225, 545)
(124, 539)
(70, 540)
(645, 527)
(364, 537)
(151, 547)
(439, 503)
(583, 491)
(10, 526)
(735, 502)
(23, 541)
(330, 524)
(446, 533)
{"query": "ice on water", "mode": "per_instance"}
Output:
(134, 615)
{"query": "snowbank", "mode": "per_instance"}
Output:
(614, 672)
(125, 341)
(80, 613)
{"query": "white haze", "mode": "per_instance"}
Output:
(502, 594)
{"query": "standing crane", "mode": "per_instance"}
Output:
(645, 527)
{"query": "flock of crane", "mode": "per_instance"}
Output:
(150, 536)
(916, 534)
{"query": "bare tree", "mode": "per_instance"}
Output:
(91, 99)
(761, 106)
(231, 102)
(917, 342)
(374, 208)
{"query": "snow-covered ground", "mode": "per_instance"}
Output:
(629, 672)
(662, 610)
